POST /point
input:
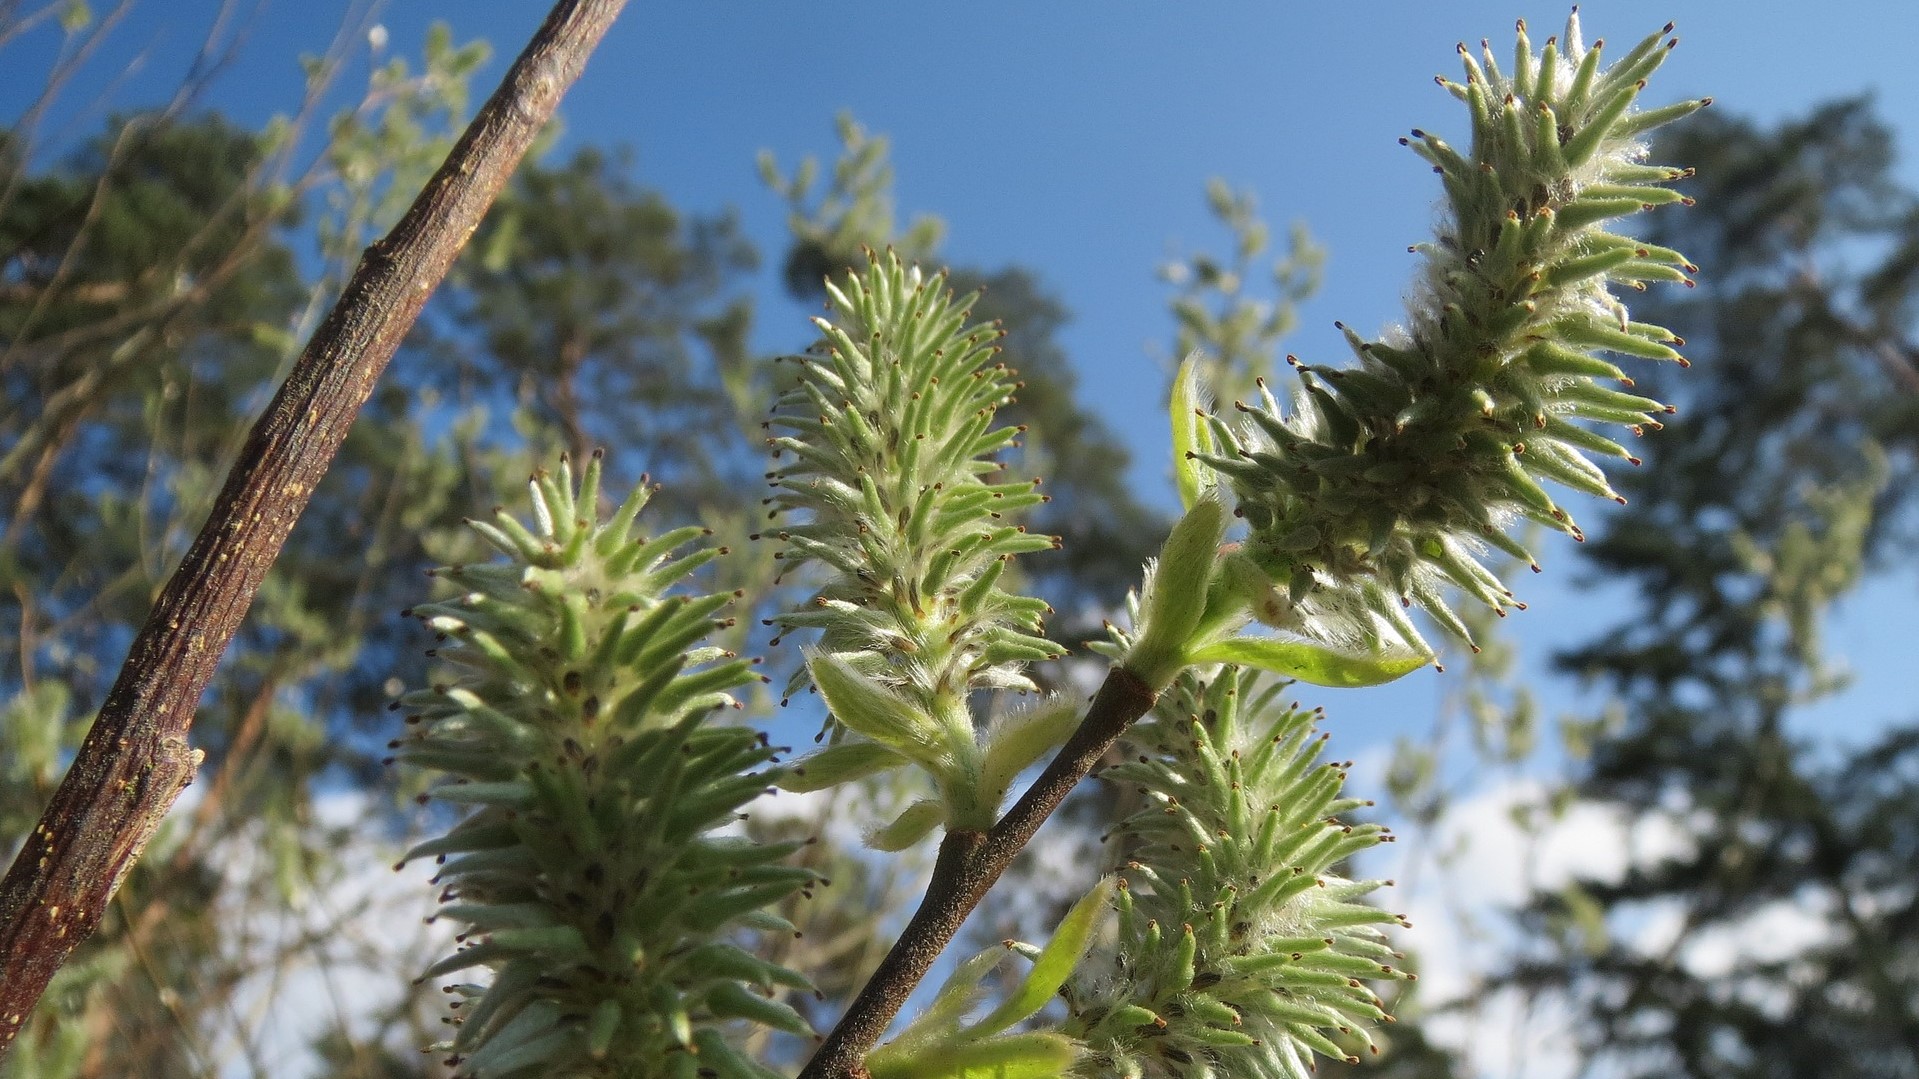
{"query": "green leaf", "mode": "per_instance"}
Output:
(497, 253)
(954, 999)
(868, 708)
(1191, 435)
(1041, 1054)
(1020, 739)
(909, 827)
(1310, 662)
(76, 16)
(1055, 964)
(1173, 599)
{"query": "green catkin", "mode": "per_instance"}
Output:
(1443, 432)
(1263, 974)
(893, 427)
(1239, 950)
(578, 740)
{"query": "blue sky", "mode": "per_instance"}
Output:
(1075, 138)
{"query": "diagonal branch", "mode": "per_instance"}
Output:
(969, 864)
(136, 760)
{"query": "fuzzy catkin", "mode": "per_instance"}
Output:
(886, 479)
(1240, 951)
(590, 871)
(1384, 484)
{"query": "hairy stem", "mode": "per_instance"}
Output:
(135, 760)
(969, 864)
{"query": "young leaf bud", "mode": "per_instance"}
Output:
(1173, 599)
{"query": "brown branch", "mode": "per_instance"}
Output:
(136, 760)
(1901, 365)
(969, 863)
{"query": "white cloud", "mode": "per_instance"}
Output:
(1490, 852)
(344, 952)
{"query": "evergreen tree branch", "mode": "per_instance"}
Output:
(136, 759)
(969, 864)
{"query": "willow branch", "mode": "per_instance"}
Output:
(969, 864)
(136, 760)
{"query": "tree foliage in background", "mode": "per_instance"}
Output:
(597, 310)
(1222, 314)
(151, 301)
(1788, 485)
(120, 393)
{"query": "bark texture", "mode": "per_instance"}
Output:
(136, 759)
